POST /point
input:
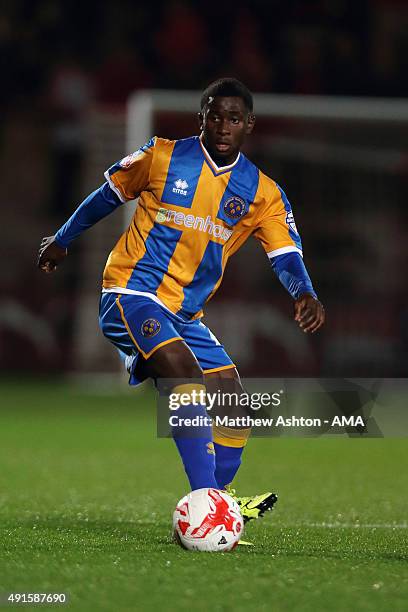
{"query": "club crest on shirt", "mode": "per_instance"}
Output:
(150, 328)
(235, 207)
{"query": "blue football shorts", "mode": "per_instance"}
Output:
(138, 326)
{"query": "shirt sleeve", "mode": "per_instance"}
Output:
(131, 175)
(292, 273)
(276, 229)
(95, 207)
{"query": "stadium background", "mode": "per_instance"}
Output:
(65, 85)
(86, 488)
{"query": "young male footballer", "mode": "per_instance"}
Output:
(200, 199)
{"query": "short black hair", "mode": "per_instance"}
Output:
(228, 86)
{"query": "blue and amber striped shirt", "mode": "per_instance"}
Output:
(191, 217)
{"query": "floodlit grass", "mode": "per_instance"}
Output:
(87, 492)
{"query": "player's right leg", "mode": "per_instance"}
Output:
(229, 444)
(139, 326)
(222, 381)
(176, 366)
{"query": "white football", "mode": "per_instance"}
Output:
(208, 520)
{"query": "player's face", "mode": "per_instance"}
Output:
(224, 124)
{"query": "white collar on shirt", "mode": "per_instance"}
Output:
(212, 162)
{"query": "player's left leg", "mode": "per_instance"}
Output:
(229, 443)
(221, 377)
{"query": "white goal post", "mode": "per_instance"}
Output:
(143, 104)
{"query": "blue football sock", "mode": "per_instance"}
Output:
(195, 445)
(227, 462)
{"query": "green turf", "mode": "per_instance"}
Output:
(87, 492)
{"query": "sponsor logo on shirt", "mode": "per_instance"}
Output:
(200, 224)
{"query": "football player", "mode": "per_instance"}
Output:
(200, 199)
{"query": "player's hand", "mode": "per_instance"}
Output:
(50, 255)
(309, 313)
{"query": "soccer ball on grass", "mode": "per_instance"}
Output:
(208, 520)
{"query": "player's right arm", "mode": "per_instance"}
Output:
(125, 180)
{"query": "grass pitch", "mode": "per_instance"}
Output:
(87, 493)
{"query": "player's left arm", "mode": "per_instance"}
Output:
(277, 232)
(291, 271)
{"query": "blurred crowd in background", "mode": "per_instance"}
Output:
(63, 59)
(66, 54)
